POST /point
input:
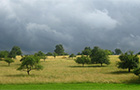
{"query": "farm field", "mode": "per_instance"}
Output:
(79, 86)
(65, 70)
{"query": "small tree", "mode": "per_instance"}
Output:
(137, 71)
(44, 57)
(41, 55)
(30, 63)
(83, 60)
(4, 54)
(9, 61)
(49, 54)
(118, 51)
(15, 51)
(99, 56)
(55, 54)
(59, 49)
(109, 52)
(79, 53)
(128, 61)
(86, 51)
(72, 55)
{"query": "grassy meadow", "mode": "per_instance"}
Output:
(70, 86)
(64, 70)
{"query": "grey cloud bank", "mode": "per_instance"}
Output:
(41, 24)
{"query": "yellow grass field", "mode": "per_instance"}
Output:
(65, 70)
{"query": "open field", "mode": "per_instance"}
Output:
(65, 70)
(80, 86)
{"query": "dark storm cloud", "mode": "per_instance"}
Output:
(41, 24)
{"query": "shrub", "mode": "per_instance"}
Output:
(83, 60)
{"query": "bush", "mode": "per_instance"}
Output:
(83, 60)
(9, 61)
(137, 71)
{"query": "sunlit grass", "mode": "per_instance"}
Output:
(65, 70)
(70, 86)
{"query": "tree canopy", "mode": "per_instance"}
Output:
(99, 56)
(128, 61)
(109, 52)
(83, 60)
(41, 55)
(15, 51)
(86, 51)
(59, 49)
(9, 60)
(137, 71)
(72, 55)
(30, 63)
(118, 51)
(4, 54)
(49, 54)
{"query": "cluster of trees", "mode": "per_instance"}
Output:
(41, 55)
(128, 60)
(12, 54)
(88, 51)
(97, 56)
(7, 56)
(59, 50)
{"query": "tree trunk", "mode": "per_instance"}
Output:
(129, 69)
(83, 65)
(28, 72)
(8, 64)
(101, 64)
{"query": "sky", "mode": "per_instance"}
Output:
(39, 25)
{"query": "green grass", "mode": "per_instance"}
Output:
(77, 86)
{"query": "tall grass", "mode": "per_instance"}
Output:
(65, 70)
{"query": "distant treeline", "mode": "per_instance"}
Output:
(59, 50)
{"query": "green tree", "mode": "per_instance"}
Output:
(72, 55)
(79, 53)
(49, 54)
(59, 49)
(118, 51)
(9, 61)
(109, 52)
(128, 61)
(55, 54)
(30, 63)
(96, 48)
(86, 51)
(15, 51)
(41, 55)
(4, 54)
(138, 53)
(44, 57)
(65, 53)
(83, 60)
(99, 56)
(137, 71)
